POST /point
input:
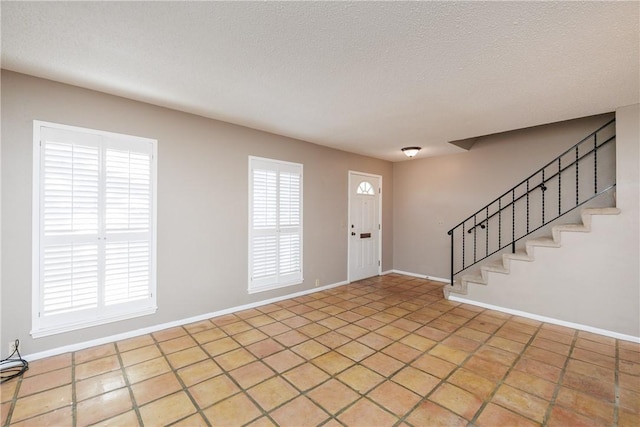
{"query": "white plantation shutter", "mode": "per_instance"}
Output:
(70, 278)
(289, 253)
(290, 217)
(70, 202)
(127, 226)
(289, 199)
(275, 229)
(93, 227)
(127, 271)
(265, 256)
(264, 245)
(264, 199)
(70, 185)
(128, 191)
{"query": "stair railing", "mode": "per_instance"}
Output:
(575, 177)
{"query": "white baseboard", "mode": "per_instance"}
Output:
(545, 319)
(422, 276)
(438, 279)
(143, 331)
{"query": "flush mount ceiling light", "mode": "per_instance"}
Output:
(411, 151)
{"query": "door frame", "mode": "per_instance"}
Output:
(351, 173)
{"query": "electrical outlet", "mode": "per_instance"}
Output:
(317, 282)
(12, 346)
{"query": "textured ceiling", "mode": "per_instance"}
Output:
(364, 77)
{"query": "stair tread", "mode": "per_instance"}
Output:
(601, 211)
(571, 227)
(520, 254)
(496, 263)
(475, 278)
(543, 241)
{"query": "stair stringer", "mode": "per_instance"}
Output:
(503, 266)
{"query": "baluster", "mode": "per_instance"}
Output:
(484, 223)
(500, 223)
(595, 163)
(527, 229)
(452, 252)
(543, 188)
(474, 238)
(527, 206)
(559, 185)
(486, 238)
(464, 232)
(577, 179)
(513, 221)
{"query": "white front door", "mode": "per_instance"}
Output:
(364, 228)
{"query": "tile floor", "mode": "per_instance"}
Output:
(380, 352)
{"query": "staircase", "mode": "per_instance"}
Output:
(530, 215)
(527, 254)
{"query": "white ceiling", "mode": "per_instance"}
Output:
(364, 77)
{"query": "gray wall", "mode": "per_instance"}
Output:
(202, 204)
(434, 194)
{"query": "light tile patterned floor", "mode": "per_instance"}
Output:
(380, 352)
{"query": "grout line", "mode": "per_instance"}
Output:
(616, 385)
(556, 391)
(241, 319)
(174, 371)
(332, 376)
(184, 389)
(14, 401)
(15, 397)
(243, 391)
(427, 352)
(277, 374)
(500, 381)
(74, 400)
(356, 363)
(381, 296)
(127, 384)
(445, 378)
(386, 378)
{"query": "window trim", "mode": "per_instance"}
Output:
(40, 328)
(281, 284)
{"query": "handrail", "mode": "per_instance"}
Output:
(542, 182)
(542, 185)
(567, 151)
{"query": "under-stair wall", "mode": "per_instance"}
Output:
(576, 281)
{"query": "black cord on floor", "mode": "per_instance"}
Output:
(13, 367)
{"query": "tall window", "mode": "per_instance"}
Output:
(275, 224)
(94, 227)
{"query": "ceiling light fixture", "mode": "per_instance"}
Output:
(411, 151)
